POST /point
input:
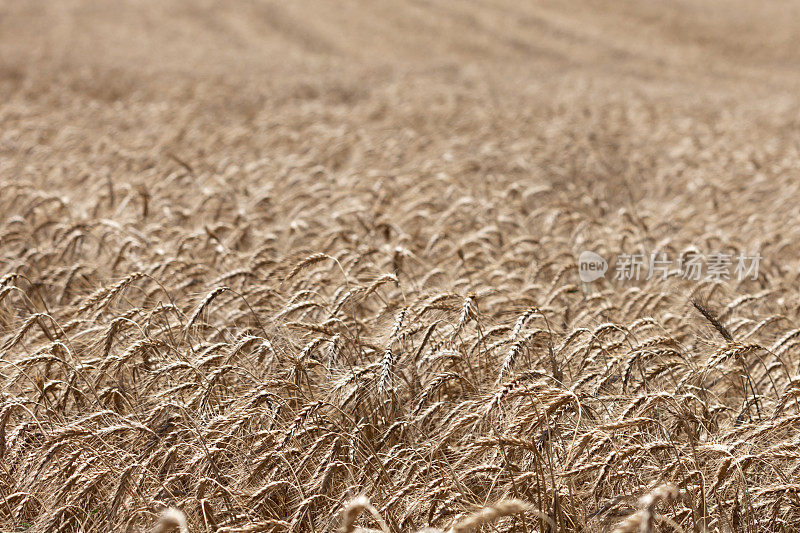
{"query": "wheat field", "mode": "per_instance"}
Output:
(312, 266)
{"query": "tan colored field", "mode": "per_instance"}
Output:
(267, 262)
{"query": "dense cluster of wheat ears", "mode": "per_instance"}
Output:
(312, 266)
